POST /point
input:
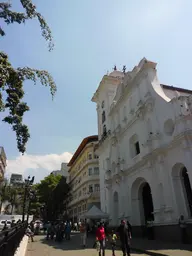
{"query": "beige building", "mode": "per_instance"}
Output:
(84, 178)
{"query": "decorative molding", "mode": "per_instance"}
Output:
(140, 113)
(125, 119)
(161, 158)
(114, 141)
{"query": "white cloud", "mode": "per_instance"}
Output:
(48, 162)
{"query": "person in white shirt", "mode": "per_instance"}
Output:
(29, 233)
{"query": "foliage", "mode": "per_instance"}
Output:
(46, 186)
(12, 195)
(12, 79)
(52, 193)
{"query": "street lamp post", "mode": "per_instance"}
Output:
(27, 185)
(32, 197)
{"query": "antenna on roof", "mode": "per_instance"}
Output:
(124, 69)
(115, 68)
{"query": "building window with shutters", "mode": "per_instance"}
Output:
(97, 187)
(90, 171)
(90, 188)
(96, 170)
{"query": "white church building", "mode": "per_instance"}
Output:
(145, 150)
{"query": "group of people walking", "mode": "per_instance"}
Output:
(124, 231)
(58, 230)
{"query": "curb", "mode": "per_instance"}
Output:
(21, 250)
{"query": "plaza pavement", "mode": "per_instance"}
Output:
(42, 247)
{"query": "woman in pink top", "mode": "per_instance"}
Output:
(100, 236)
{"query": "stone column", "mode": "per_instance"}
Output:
(109, 201)
(136, 212)
(153, 186)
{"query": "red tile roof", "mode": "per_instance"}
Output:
(84, 142)
(173, 88)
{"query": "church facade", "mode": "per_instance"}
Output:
(145, 150)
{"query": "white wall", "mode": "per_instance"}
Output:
(144, 110)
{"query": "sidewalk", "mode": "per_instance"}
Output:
(154, 247)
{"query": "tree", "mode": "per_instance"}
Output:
(12, 196)
(51, 193)
(4, 195)
(12, 79)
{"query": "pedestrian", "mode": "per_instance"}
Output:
(125, 236)
(106, 228)
(183, 227)
(113, 242)
(50, 231)
(87, 227)
(101, 237)
(83, 232)
(129, 227)
(67, 230)
(5, 227)
(29, 233)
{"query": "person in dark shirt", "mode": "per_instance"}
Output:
(125, 236)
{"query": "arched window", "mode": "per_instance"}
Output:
(103, 117)
(103, 104)
(134, 145)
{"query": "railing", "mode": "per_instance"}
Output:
(11, 238)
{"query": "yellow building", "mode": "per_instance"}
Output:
(84, 178)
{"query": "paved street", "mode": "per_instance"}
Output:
(41, 247)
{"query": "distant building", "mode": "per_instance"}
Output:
(84, 178)
(3, 164)
(16, 179)
(63, 171)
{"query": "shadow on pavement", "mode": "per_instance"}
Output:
(75, 244)
(154, 245)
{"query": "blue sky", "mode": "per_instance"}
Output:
(90, 37)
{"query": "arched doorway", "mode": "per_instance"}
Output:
(187, 190)
(182, 189)
(115, 208)
(142, 202)
(147, 202)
